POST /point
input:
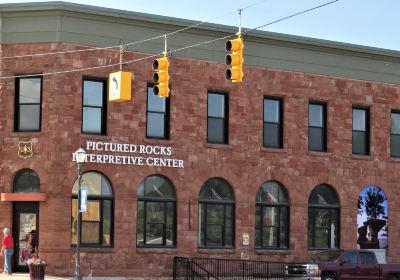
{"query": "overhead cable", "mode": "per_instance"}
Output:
(293, 15)
(169, 51)
(131, 43)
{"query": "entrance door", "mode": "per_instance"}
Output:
(26, 220)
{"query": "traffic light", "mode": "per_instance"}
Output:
(234, 60)
(119, 86)
(161, 76)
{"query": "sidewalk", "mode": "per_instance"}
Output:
(25, 276)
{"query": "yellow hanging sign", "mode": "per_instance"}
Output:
(119, 86)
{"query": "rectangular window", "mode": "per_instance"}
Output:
(156, 223)
(271, 226)
(91, 223)
(360, 131)
(317, 127)
(273, 123)
(95, 223)
(28, 101)
(395, 135)
(157, 115)
(217, 118)
(94, 105)
(323, 228)
(216, 228)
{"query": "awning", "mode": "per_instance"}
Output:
(23, 197)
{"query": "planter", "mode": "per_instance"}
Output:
(36, 272)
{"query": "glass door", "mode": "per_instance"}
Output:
(25, 232)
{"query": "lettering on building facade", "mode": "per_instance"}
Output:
(130, 154)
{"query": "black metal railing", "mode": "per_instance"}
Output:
(181, 268)
(242, 269)
(213, 269)
(184, 268)
(201, 273)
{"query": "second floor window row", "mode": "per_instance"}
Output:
(28, 117)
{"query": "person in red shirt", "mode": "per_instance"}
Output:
(7, 249)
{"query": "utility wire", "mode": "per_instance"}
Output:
(132, 43)
(252, 5)
(170, 51)
(61, 72)
(60, 52)
(116, 64)
(110, 47)
(293, 15)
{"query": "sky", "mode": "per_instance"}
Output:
(371, 23)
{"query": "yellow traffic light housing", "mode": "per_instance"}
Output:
(234, 60)
(161, 77)
(119, 86)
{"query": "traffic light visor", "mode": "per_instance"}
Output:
(233, 74)
(160, 63)
(155, 90)
(160, 77)
(233, 59)
(161, 90)
(234, 45)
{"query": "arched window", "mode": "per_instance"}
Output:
(323, 218)
(26, 180)
(97, 221)
(156, 213)
(272, 216)
(216, 214)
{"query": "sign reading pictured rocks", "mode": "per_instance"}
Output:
(130, 154)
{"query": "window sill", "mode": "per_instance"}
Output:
(217, 146)
(22, 133)
(273, 150)
(361, 157)
(152, 250)
(158, 141)
(96, 136)
(262, 251)
(395, 159)
(94, 250)
(319, 154)
(216, 250)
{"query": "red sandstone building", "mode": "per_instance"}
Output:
(271, 168)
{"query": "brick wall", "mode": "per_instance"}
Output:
(244, 163)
